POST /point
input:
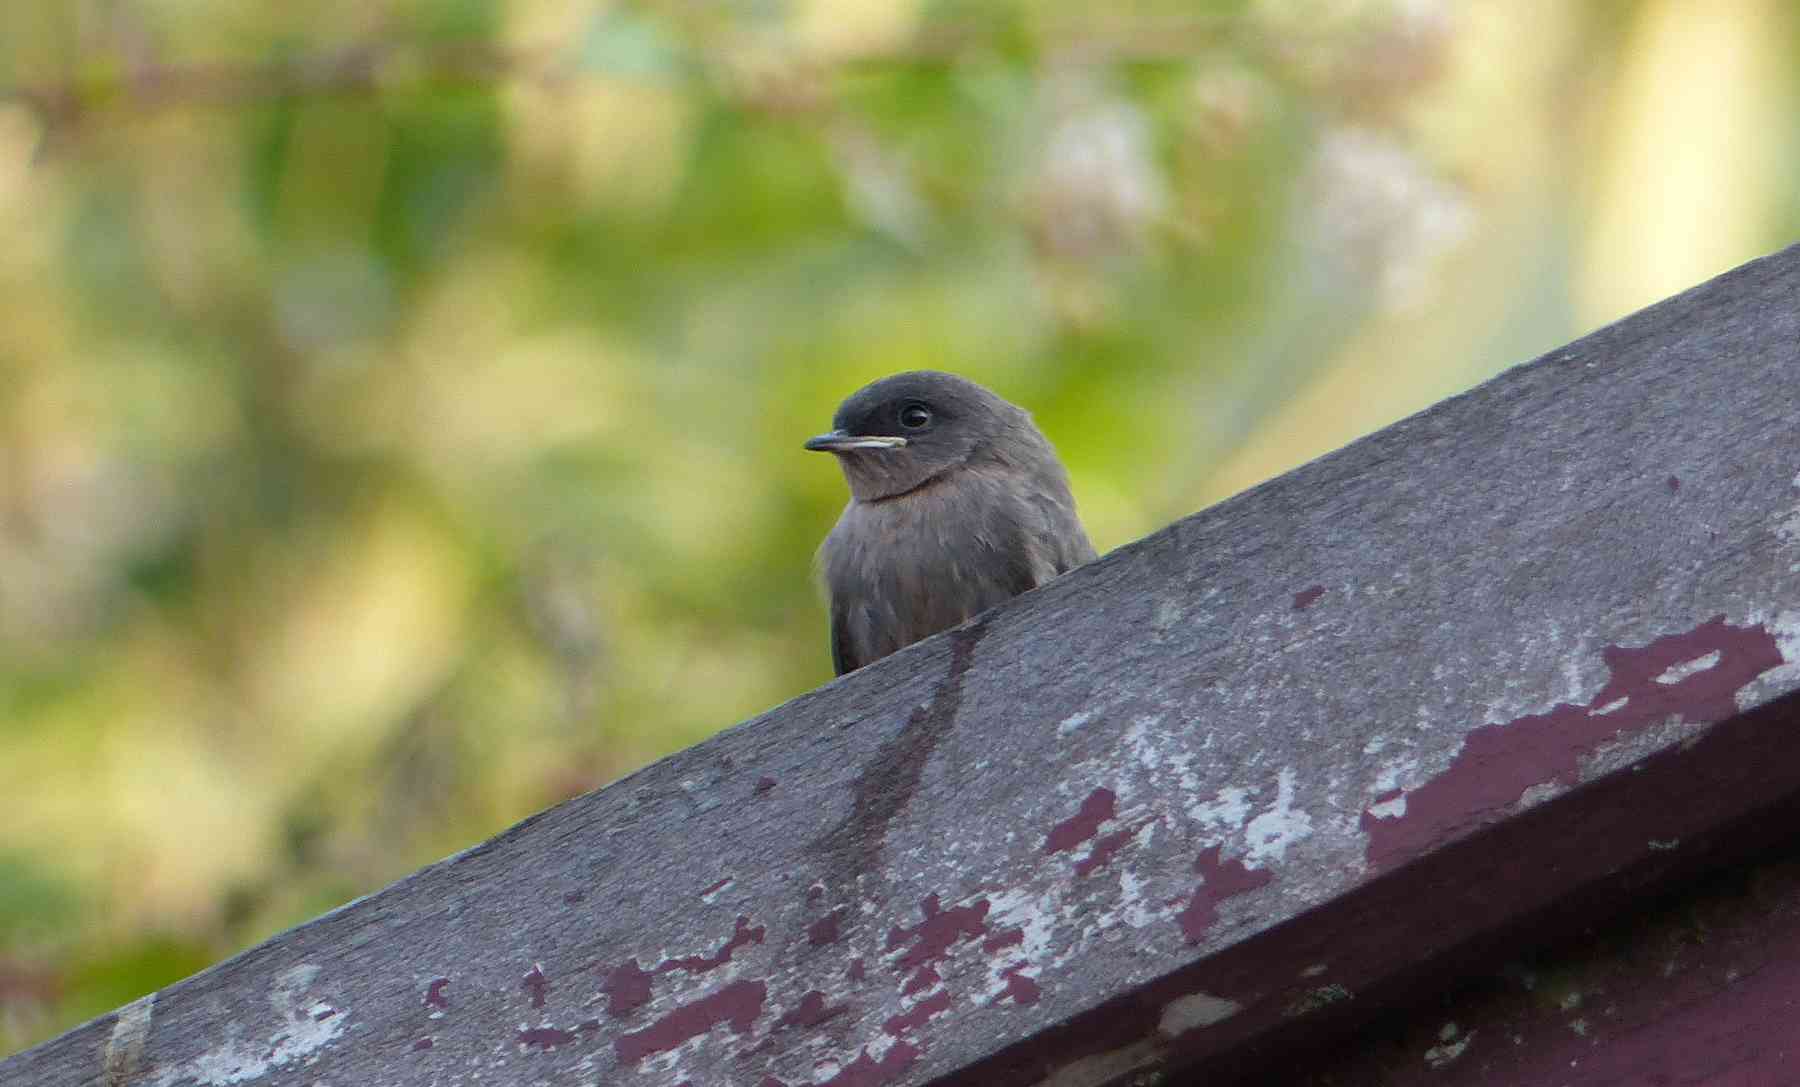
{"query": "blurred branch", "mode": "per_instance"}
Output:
(365, 68)
(148, 85)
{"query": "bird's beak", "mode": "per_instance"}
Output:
(839, 442)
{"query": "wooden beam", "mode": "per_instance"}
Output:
(1246, 781)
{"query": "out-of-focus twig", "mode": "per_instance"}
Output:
(354, 70)
(146, 85)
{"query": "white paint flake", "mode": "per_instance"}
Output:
(1449, 1046)
(1194, 1011)
(1142, 747)
(1136, 908)
(1614, 706)
(1389, 809)
(1393, 773)
(306, 1027)
(1069, 724)
(1784, 627)
(1227, 810)
(1675, 673)
(1269, 834)
(1035, 918)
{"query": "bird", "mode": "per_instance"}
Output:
(957, 502)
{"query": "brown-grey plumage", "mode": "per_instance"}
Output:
(957, 502)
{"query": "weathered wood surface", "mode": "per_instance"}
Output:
(1237, 784)
(1695, 985)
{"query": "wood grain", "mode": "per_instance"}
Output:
(1244, 782)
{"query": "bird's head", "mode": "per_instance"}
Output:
(896, 434)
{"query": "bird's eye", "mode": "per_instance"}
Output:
(915, 416)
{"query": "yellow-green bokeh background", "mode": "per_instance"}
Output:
(400, 400)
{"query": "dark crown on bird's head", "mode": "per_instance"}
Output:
(891, 406)
(897, 434)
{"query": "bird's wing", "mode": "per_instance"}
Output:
(1067, 541)
(843, 657)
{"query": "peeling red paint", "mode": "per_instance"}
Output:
(535, 984)
(825, 929)
(434, 993)
(1307, 597)
(918, 1015)
(763, 785)
(811, 1011)
(857, 971)
(924, 978)
(1498, 763)
(865, 1071)
(1019, 989)
(627, 988)
(1003, 939)
(741, 936)
(1104, 848)
(717, 887)
(546, 1037)
(737, 1005)
(422, 1043)
(1220, 879)
(1099, 806)
(588, 1026)
(933, 937)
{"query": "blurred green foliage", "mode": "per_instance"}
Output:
(400, 401)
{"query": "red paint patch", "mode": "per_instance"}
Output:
(737, 1005)
(918, 1015)
(925, 978)
(627, 988)
(1498, 763)
(867, 1072)
(857, 971)
(1084, 824)
(1020, 989)
(434, 993)
(933, 937)
(811, 1011)
(1306, 598)
(717, 887)
(1220, 879)
(422, 1043)
(825, 929)
(1006, 938)
(1103, 850)
(741, 936)
(536, 985)
(763, 785)
(546, 1037)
